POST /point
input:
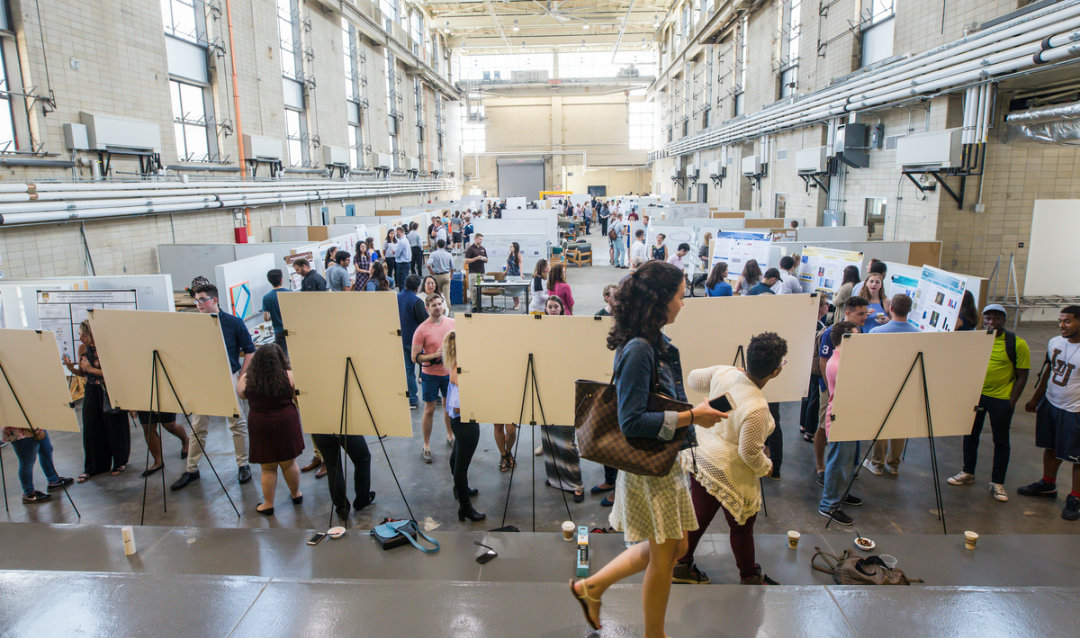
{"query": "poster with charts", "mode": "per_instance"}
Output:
(937, 300)
(737, 248)
(61, 312)
(822, 269)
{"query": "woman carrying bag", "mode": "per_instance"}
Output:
(656, 509)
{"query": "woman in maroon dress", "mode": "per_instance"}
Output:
(273, 423)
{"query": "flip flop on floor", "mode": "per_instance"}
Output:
(82, 478)
(118, 471)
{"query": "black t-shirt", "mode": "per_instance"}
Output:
(313, 282)
(476, 251)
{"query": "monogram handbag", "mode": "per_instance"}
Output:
(600, 439)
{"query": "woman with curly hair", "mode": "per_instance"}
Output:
(273, 423)
(656, 509)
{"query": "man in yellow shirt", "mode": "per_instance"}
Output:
(1006, 376)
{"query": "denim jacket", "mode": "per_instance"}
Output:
(633, 380)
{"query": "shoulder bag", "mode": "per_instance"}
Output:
(391, 534)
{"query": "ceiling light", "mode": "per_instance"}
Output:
(656, 21)
(516, 27)
(585, 26)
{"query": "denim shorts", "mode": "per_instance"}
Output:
(432, 385)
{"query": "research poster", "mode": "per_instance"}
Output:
(61, 312)
(822, 269)
(737, 248)
(937, 300)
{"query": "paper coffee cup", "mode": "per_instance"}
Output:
(568, 529)
(793, 539)
(970, 538)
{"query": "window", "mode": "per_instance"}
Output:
(473, 139)
(877, 30)
(356, 146)
(194, 125)
(391, 107)
(791, 34)
(184, 19)
(353, 75)
(389, 10)
(642, 126)
(439, 125)
(190, 122)
(292, 72)
(487, 67)
(8, 137)
(741, 50)
(294, 136)
(417, 31)
(418, 98)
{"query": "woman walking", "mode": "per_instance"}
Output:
(656, 509)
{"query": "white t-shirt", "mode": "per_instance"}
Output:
(638, 249)
(1063, 387)
(788, 284)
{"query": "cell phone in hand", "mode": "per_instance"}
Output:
(722, 403)
(316, 539)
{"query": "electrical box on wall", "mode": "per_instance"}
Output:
(75, 138)
(930, 151)
(812, 160)
(851, 144)
(751, 165)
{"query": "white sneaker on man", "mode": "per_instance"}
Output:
(961, 478)
(997, 490)
(872, 467)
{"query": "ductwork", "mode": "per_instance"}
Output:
(1022, 44)
(1057, 124)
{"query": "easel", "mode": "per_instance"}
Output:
(740, 355)
(531, 388)
(34, 431)
(921, 362)
(155, 399)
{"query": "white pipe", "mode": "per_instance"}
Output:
(969, 118)
(981, 111)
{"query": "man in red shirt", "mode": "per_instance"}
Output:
(434, 376)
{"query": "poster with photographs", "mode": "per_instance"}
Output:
(61, 312)
(822, 269)
(736, 248)
(937, 300)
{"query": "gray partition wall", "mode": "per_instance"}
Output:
(521, 178)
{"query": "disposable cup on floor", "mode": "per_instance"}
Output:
(889, 560)
(793, 539)
(970, 538)
(568, 529)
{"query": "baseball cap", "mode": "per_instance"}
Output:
(995, 307)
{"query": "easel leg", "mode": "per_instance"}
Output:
(3, 481)
(933, 449)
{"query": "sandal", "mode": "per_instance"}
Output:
(582, 600)
(150, 470)
(82, 478)
(504, 464)
(118, 471)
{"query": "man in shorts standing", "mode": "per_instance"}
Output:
(434, 376)
(1057, 407)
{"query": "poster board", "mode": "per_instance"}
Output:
(549, 217)
(188, 261)
(737, 248)
(190, 346)
(516, 202)
(493, 351)
(760, 223)
(674, 235)
(701, 344)
(1054, 227)
(318, 362)
(37, 376)
(822, 269)
(902, 278)
(241, 285)
(955, 368)
(61, 311)
(937, 300)
(534, 247)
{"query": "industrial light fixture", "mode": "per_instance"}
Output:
(585, 26)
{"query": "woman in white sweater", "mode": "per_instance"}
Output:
(730, 458)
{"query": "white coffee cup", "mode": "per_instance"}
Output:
(568, 529)
(793, 539)
(128, 535)
(970, 538)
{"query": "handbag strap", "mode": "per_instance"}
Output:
(409, 537)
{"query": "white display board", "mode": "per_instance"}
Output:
(241, 285)
(737, 248)
(188, 261)
(319, 362)
(516, 202)
(955, 368)
(549, 217)
(37, 376)
(188, 343)
(673, 236)
(822, 269)
(831, 233)
(1055, 224)
(534, 247)
(524, 225)
(902, 278)
(937, 300)
(493, 352)
(709, 331)
(61, 311)
(18, 297)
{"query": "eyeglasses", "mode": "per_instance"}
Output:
(202, 300)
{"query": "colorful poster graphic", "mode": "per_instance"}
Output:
(822, 269)
(937, 300)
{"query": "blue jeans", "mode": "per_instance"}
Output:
(410, 375)
(26, 449)
(620, 252)
(840, 460)
(401, 272)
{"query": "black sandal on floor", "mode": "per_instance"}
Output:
(298, 499)
(266, 512)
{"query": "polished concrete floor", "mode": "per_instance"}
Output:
(253, 575)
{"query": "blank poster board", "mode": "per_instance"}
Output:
(922, 253)
(189, 345)
(872, 369)
(241, 285)
(1055, 224)
(493, 352)
(763, 223)
(709, 331)
(370, 338)
(32, 365)
(188, 261)
(832, 233)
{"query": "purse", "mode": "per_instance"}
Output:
(106, 403)
(391, 534)
(852, 570)
(600, 439)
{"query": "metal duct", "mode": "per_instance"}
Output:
(1057, 124)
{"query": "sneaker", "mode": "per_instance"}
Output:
(1072, 508)
(819, 478)
(689, 575)
(414, 406)
(872, 467)
(838, 516)
(997, 490)
(892, 469)
(961, 478)
(63, 482)
(852, 500)
(426, 455)
(1038, 488)
(41, 497)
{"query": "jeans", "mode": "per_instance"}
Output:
(410, 375)
(1000, 420)
(417, 264)
(402, 272)
(741, 537)
(26, 449)
(466, 437)
(808, 416)
(603, 225)
(775, 441)
(620, 251)
(588, 223)
(357, 450)
(840, 460)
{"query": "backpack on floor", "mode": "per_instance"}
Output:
(852, 570)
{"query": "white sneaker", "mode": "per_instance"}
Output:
(997, 490)
(874, 469)
(961, 478)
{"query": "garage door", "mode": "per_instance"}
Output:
(521, 178)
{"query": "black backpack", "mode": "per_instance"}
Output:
(1010, 349)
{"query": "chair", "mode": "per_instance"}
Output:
(493, 292)
(579, 255)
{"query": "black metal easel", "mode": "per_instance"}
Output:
(531, 389)
(33, 431)
(919, 360)
(155, 398)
